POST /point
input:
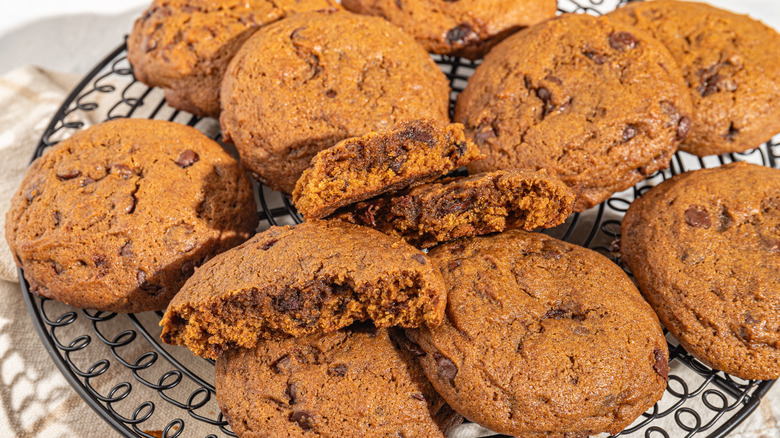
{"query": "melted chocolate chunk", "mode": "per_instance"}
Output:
(697, 217)
(660, 364)
(122, 171)
(445, 368)
(187, 158)
(622, 41)
(683, 126)
(303, 419)
(461, 34)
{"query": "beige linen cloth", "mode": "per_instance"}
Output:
(35, 400)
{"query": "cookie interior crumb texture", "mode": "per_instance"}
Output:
(318, 276)
(467, 206)
(359, 168)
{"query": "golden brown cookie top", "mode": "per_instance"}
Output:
(315, 277)
(542, 337)
(117, 216)
(731, 64)
(463, 27)
(354, 382)
(704, 247)
(307, 82)
(186, 45)
(600, 105)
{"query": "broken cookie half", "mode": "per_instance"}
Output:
(318, 276)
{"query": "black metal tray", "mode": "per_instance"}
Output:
(136, 376)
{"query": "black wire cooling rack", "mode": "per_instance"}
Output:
(144, 388)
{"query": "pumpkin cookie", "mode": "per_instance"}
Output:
(466, 28)
(302, 84)
(352, 382)
(731, 64)
(467, 206)
(184, 46)
(117, 216)
(293, 281)
(704, 247)
(360, 168)
(541, 338)
(598, 104)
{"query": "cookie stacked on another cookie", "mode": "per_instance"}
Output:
(599, 104)
(305, 83)
(704, 247)
(731, 64)
(118, 216)
(184, 46)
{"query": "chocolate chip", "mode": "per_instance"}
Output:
(56, 218)
(122, 171)
(127, 250)
(683, 126)
(403, 341)
(144, 284)
(452, 265)
(99, 260)
(418, 396)
(188, 268)
(338, 370)
(187, 158)
(296, 33)
(553, 79)
(732, 132)
(282, 364)
(598, 58)
(130, 208)
(86, 181)
(65, 175)
(697, 217)
(331, 93)
(629, 133)
(303, 419)
(292, 392)
(724, 218)
(543, 93)
(418, 134)
(555, 314)
(481, 136)
(709, 85)
(461, 34)
(269, 243)
(457, 248)
(445, 368)
(614, 247)
(622, 41)
(33, 193)
(151, 45)
(419, 258)
(660, 364)
(398, 4)
(57, 268)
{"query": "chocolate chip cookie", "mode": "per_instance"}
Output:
(463, 28)
(293, 281)
(541, 338)
(117, 216)
(305, 83)
(360, 168)
(600, 105)
(467, 206)
(352, 382)
(184, 46)
(731, 64)
(704, 247)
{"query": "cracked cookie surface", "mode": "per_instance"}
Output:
(450, 208)
(305, 83)
(598, 104)
(359, 168)
(731, 64)
(467, 28)
(541, 338)
(353, 382)
(117, 216)
(704, 247)
(184, 46)
(317, 276)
